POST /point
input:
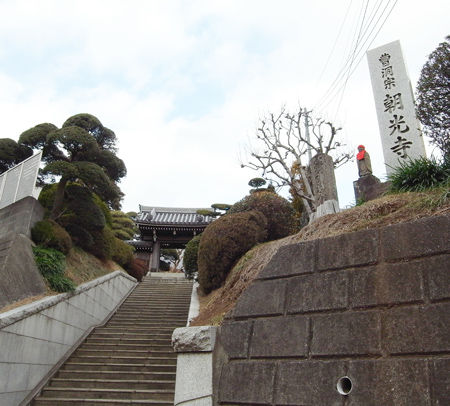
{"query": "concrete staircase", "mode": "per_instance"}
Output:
(130, 359)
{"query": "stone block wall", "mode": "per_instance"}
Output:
(369, 310)
(35, 337)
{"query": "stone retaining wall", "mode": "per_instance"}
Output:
(35, 337)
(357, 319)
(20, 217)
(19, 275)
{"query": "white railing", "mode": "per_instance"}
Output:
(19, 181)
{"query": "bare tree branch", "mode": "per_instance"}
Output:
(282, 143)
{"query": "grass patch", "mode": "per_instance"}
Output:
(51, 264)
(418, 175)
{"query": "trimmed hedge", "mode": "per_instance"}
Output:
(122, 253)
(104, 242)
(224, 241)
(190, 257)
(279, 212)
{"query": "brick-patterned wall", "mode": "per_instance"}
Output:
(371, 305)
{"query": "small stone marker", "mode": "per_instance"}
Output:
(400, 132)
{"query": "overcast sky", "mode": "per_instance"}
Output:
(183, 83)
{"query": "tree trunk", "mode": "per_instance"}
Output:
(59, 199)
(301, 192)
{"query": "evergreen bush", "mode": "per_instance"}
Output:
(80, 236)
(51, 264)
(279, 212)
(50, 234)
(190, 257)
(104, 243)
(122, 253)
(224, 241)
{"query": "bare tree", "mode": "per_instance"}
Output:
(283, 140)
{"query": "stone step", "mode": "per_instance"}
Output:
(111, 383)
(43, 401)
(134, 375)
(151, 319)
(119, 367)
(126, 341)
(92, 393)
(124, 360)
(105, 345)
(108, 353)
(144, 323)
(122, 337)
(156, 311)
(175, 316)
(130, 360)
(136, 332)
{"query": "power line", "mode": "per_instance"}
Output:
(354, 52)
(340, 83)
(335, 42)
(337, 83)
(331, 87)
(373, 39)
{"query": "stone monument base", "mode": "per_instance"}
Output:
(327, 207)
(369, 187)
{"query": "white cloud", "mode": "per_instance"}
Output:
(144, 67)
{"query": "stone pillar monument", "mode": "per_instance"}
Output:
(323, 184)
(400, 132)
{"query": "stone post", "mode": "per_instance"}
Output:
(194, 379)
(323, 182)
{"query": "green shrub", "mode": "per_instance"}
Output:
(50, 234)
(122, 253)
(224, 241)
(190, 257)
(279, 212)
(80, 236)
(51, 264)
(47, 196)
(83, 204)
(104, 243)
(420, 174)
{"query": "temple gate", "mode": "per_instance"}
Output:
(165, 227)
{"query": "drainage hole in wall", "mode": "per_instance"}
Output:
(344, 385)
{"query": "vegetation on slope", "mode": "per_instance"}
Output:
(390, 209)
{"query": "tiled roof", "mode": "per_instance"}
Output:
(171, 215)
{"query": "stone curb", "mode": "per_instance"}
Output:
(24, 311)
(194, 339)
